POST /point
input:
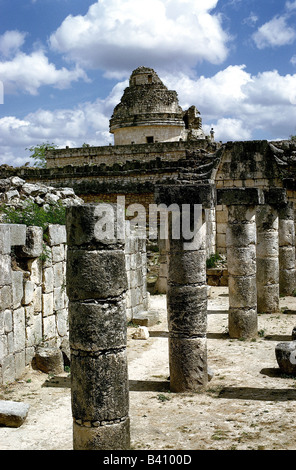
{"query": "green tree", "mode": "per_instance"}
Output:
(39, 153)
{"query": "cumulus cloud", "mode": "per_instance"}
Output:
(274, 33)
(238, 104)
(118, 35)
(234, 102)
(11, 42)
(27, 72)
(87, 123)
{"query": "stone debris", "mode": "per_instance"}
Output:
(13, 414)
(49, 359)
(141, 333)
(15, 191)
(286, 355)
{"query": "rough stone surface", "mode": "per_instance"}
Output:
(13, 414)
(49, 359)
(286, 357)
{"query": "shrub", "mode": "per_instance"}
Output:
(32, 214)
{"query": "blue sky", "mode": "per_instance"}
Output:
(65, 63)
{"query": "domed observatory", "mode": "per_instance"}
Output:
(148, 112)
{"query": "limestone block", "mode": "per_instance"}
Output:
(6, 297)
(62, 322)
(109, 400)
(20, 363)
(13, 414)
(5, 244)
(8, 369)
(19, 329)
(28, 295)
(7, 321)
(18, 233)
(5, 270)
(47, 304)
(17, 288)
(96, 274)
(37, 299)
(59, 274)
(49, 359)
(58, 253)
(11, 195)
(48, 280)
(58, 298)
(34, 331)
(29, 314)
(35, 268)
(141, 333)
(56, 234)
(97, 326)
(34, 243)
(49, 327)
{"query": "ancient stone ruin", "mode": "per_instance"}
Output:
(239, 201)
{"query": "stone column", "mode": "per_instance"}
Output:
(187, 289)
(267, 259)
(96, 286)
(287, 279)
(241, 261)
(187, 313)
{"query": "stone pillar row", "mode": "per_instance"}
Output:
(96, 286)
(260, 243)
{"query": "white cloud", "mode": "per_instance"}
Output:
(290, 6)
(28, 72)
(274, 33)
(237, 104)
(118, 35)
(11, 42)
(87, 123)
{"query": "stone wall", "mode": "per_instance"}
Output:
(33, 297)
(34, 302)
(120, 154)
(137, 297)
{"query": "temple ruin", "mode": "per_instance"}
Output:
(246, 195)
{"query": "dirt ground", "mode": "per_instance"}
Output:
(248, 405)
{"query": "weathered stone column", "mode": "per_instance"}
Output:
(267, 259)
(96, 285)
(187, 289)
(241, 259)
(241, 262)
(287, 278)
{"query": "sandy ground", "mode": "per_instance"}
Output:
(248, 405)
